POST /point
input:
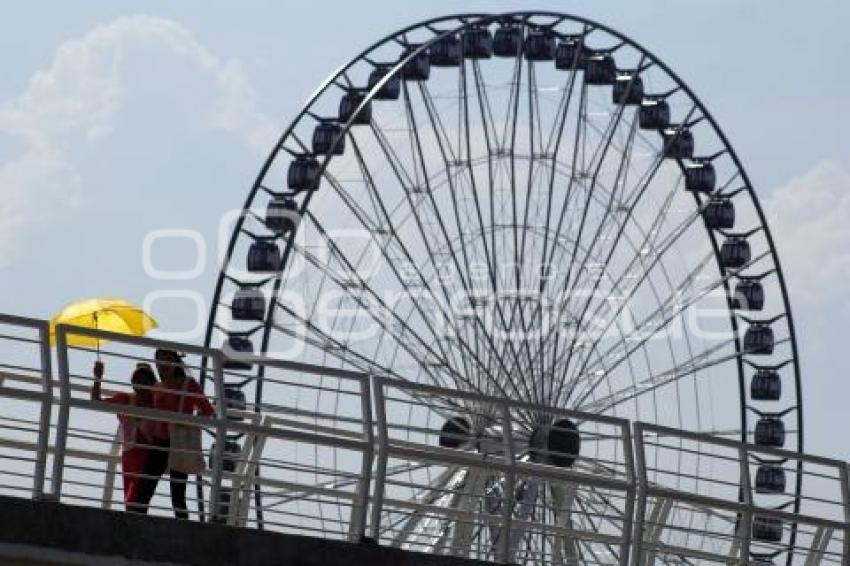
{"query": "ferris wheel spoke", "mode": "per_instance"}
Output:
(486, 117)
(583, 320)
(421, 277)
(552, 151)
(662, 249)
(421, 162)
(490, 137)
(534, 132)
(647, 270)
(426, 238)
(405, 285)
(388, 313)
(640, 190)
(608, 206)
(587, 514)
(600, 151)
(580, 331)
(407, 184)
(665, 321)
(701, 361)
(555, 327)
(491, 265)
(512, 120)
(466, 164)
(646, 177)
(602, 369)
(603, 267)
(599, 270)
(540, 157)
(464, 281)
(489, 126)
(339, 350)
(519, 246)
(677, 296)
(350, 268)
(512, 107)
(622, 337)
(577, 140)
(335, 348)
(446, 153)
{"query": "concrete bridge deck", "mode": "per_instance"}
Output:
(47, 533)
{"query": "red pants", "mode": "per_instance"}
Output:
(132, 465)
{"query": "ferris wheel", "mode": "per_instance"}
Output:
(527, 205)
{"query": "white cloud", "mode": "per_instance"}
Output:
(808, 217)
(809, 220)
(89, 88)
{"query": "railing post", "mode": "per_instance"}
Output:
(510, 486)
(360, 507)
(220, 438)
(629, 511)
(641, 495)
(844, 474)
(46, 411)
(381, 463)
(64, 413)
(747, 499)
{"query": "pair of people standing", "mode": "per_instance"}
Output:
(146, 443)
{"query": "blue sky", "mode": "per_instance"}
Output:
(120, 118)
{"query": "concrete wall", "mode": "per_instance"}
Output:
(41, 533)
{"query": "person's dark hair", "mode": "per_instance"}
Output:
(172, 358)
(144, 376)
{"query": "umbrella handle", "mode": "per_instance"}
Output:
(96, 340)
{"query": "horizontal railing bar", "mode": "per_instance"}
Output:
(210, 422)
(448, 456)
(442, 512)
(751, 448)
(511, 403)
(677, 551)
(146, 341)
(25, 339)
(736, 507)
(16, 367)
(74, 453)
(209, 352)
(23, 321)
(294, 486)
(22, 394)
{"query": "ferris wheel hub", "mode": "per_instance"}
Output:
(557, 443)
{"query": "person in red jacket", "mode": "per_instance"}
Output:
(136, 433)
(178, 392)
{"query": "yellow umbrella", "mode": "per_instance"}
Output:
(113, 315)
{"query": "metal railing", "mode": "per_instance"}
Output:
(735, 497)
(401, 503)
(337, 455)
